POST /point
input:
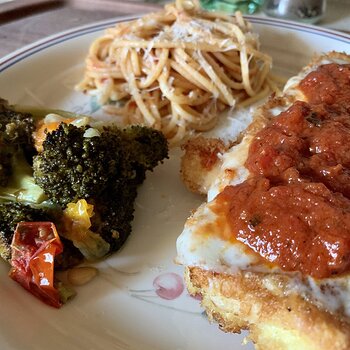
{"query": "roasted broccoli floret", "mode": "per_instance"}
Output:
(15, 137)
(81, 162)
(103, 167)
(5, 162)
(71, 256)
(73, 166)
(16, 126)
(11, 213)
(143, 147)
(114, 214)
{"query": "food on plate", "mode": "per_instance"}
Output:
(67, 194)
(177, 69)
(270, 249)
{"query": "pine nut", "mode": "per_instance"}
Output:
(81, 275)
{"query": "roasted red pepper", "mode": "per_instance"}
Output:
(34, 247)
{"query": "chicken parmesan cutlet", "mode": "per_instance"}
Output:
(269, 251)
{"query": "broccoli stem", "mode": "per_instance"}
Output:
(21, 186)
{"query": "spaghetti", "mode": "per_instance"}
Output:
(177, 69)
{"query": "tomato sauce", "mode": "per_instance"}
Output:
(294, 210)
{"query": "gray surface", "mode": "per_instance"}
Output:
(15, 32)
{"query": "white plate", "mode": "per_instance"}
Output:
(120, 309)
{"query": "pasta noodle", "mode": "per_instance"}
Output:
(177, 69)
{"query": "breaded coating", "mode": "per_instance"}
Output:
(201, 162)
(276, 319)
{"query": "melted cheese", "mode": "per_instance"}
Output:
(232, 170)
(200, 244)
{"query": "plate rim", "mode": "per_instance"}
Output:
(28, 50)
